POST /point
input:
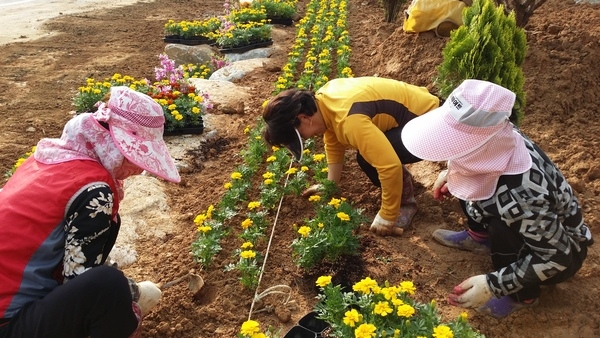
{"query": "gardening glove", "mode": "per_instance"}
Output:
(149, 296)
(440, 187)
(315, 189)
(472, 293)
(383, 227)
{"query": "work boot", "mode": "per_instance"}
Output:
(463, 240)
(504, 306)
(408, 204)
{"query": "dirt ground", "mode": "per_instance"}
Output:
(38, 78)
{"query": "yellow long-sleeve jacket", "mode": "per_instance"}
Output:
(357, 111)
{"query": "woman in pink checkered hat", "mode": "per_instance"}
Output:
(519, 207)
(59, 219)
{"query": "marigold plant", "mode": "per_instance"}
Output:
(371, 310)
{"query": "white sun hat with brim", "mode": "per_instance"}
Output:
(136, 123)
(471, 131)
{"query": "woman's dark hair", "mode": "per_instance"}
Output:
(281, 115)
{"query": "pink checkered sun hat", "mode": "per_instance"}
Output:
(136, 124)
(471, 131)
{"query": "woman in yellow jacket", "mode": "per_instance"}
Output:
(364, 113)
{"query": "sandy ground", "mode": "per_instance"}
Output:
(23, 20)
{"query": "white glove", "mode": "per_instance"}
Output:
(149, 296)
(440, 188)
(385, 228)
(315, 189)
(472, 293)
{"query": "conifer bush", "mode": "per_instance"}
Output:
(489, 46)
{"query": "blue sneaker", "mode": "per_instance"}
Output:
(461, 240)
(502, 307)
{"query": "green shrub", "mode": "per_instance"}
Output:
(489, 46)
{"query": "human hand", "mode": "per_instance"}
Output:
(472, 293)
(383, 227)
(315, 189)
(149, 296)
(440, 187)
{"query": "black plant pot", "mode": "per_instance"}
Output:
(196, 40)
(280, 21)
(185, 131)
(314, 324)
(172, 38)
(300, 332)
(245, 48)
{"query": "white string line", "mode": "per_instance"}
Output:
(262, 270)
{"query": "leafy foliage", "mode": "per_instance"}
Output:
(489, 46)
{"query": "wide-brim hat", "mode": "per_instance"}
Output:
(471, 131)
(297, 146)
(136, 124)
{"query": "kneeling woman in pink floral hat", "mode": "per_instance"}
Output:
(519, 206)
(59, 219)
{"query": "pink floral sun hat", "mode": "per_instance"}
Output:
(471, 131)
(136, 124)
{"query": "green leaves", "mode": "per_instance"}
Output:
(489, 46)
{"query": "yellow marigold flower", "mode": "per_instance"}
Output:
(304, 231)
(408, 287)
(405, 311)
(318, 157)
(247, 223)
(209, 211)
(271, 158)
(227, 185)
(343, 216)
(247, 245)
(178, 116)
(236, 175)
(257, 137)
(195, 110)
(306, 151)
(259, 335)
(246, 130)
(250, 327)
(200, 219)
(274, 148)
(464, 316)
(268, 181)
(323, 281)
(320, 225)
(434, 303)
(324, 170)
(265, 103)
(365, 331)
(365, 286)
(253, 205)
(397, 334)
(248, 254)
(335, 202)
(204, 229)
(389, 293)
(304, 168)
(352, 317)
(397, 302)
(291, 171)
(172, 107)
(314, 198)
(382, 309)
(442, 331)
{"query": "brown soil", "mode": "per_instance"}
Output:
(39, 78)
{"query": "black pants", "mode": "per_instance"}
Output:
(507, 246)
(95, 304)
(393, 135)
